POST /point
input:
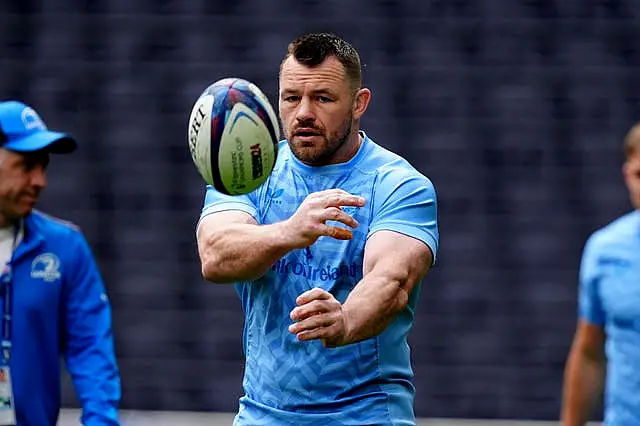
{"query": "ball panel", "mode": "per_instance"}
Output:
(246, 155)
(219, 118)
(253, 101)
(267, 151)
(266, 105)
(274, 132)
(234, 135)
(198, 134)
(264, 115)
(220, 85)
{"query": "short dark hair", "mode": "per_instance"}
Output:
(312, 50)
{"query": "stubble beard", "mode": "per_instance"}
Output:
(322, 154)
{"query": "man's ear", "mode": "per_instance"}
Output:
(361, 102)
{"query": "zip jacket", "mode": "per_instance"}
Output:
(60, 309)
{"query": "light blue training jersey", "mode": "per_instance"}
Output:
(610, 297)
(288, 382)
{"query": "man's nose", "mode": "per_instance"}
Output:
(39, 176)
(305, 111)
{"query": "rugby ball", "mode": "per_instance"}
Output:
(233, 136)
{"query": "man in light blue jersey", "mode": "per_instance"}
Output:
(327, 256)
(607, 340)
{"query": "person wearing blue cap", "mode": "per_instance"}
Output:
(52, 297)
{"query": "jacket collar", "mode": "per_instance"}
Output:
(32, 239)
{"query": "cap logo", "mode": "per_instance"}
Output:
(31, 119)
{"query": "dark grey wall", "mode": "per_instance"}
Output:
(516, 111)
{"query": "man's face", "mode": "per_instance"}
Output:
(316, 109)
(22, 178)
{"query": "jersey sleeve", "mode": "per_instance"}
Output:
(215, 201)
(405, 202)
(589, 303)
(88, 339)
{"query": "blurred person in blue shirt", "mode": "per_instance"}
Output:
(51, 293)
(327, 256)
(605, 354)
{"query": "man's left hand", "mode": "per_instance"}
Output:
(319, 316)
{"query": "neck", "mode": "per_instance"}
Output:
(355, 141)
(349, 149)
(6, 222)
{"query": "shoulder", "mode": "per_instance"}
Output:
(54, 229)
(58, 242)
(393, 170)
(615, 234)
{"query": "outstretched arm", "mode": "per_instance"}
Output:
(233, 247)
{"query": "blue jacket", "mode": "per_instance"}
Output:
(60, 309)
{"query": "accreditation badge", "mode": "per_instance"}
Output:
(7, 407)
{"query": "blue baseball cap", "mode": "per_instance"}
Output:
(22, 130)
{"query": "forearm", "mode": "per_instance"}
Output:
(242, 252)
(102, 414)
(583, 383)
(372, 305)
(97, 387)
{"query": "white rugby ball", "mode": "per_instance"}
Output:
(233, 136)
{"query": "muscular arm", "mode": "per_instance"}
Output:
(393, 264)
(233, 247)
(584, 374)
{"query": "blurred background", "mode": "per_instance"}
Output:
(515, 109)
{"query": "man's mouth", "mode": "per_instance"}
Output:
(30, 197)
(306, 132)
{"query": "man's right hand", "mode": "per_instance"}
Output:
(309, 222)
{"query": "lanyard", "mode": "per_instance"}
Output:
(7, 296)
